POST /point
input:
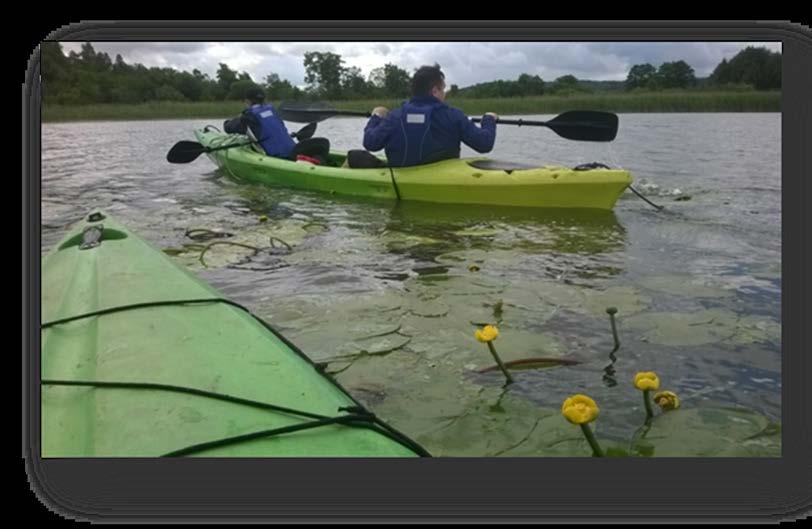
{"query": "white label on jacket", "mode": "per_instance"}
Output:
(266, 114)
(415, 118)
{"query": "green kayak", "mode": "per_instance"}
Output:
(459, 181)
(141, 359)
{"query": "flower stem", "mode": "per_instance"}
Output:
(501, 365)
(590, 437)
(611, 311)
(647, 402)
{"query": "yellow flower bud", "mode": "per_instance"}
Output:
(580, 409)
(473, 268)
(667, 400)
(646, 380)
(487, 334)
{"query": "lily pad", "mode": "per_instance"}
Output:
(507, 426)
(686, 285)
(516, 344)
(396, 240)
(702, 327)
(376, 345)
(756, 329)
(628, 301)
(559, 294)
(711, 431)
(429, 308)
(331, 337)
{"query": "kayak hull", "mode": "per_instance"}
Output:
(450, 181)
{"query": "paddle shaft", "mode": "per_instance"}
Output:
(551, 124)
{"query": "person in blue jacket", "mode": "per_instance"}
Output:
(260, 122)
(425, 129)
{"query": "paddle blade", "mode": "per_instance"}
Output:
(185, 152)
(305, 133)
(585, 125)
(304, 111)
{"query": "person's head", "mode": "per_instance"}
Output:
(429, 81)
(255, 96)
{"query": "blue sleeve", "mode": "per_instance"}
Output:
(480, 139)
(377, 133)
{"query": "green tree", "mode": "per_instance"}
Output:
(758, 67)
(530, 85)
(353, 84)
(566, 85)
(676, 75)
(190, 86)
(238, 89)
(280, 89)
(54, 69)
(396, 81)
(90, 59)
(168, 93)
(119, 66)
(53, 63)
(640, 75)
(323, 72)
(226, 77)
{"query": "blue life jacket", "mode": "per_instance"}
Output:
(412, 144)
(273, 135)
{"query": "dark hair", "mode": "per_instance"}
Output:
(255, 95)
(426, 78)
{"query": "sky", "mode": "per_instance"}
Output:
(464, 63)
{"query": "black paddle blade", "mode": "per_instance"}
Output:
(313, 111)
(305, 133)
(585, 125)
(184, 152)
(305, 111)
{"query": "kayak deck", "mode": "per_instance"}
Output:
(458, 181)
(141, 359)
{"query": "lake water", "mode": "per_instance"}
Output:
(697, 285)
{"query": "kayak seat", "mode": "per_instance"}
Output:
(361, 159)
(591, 166)
(314, 147)
(498, 165)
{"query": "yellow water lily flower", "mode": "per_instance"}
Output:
(487, 334)
(646, 380)
(473, 268)
(667, 400)
(580, 409)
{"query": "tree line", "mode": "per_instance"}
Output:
(757, 68)
(90, 77)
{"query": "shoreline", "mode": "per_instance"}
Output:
(649, 102)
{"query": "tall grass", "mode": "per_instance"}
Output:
(682, 101)
(667, 101)
(144, 111)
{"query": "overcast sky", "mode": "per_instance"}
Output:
(463, 63)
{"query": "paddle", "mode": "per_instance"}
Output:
(580, 125)
(313, 111)
(189, 151)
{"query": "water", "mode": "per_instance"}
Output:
(697, 286)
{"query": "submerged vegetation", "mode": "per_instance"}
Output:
(462, 410)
